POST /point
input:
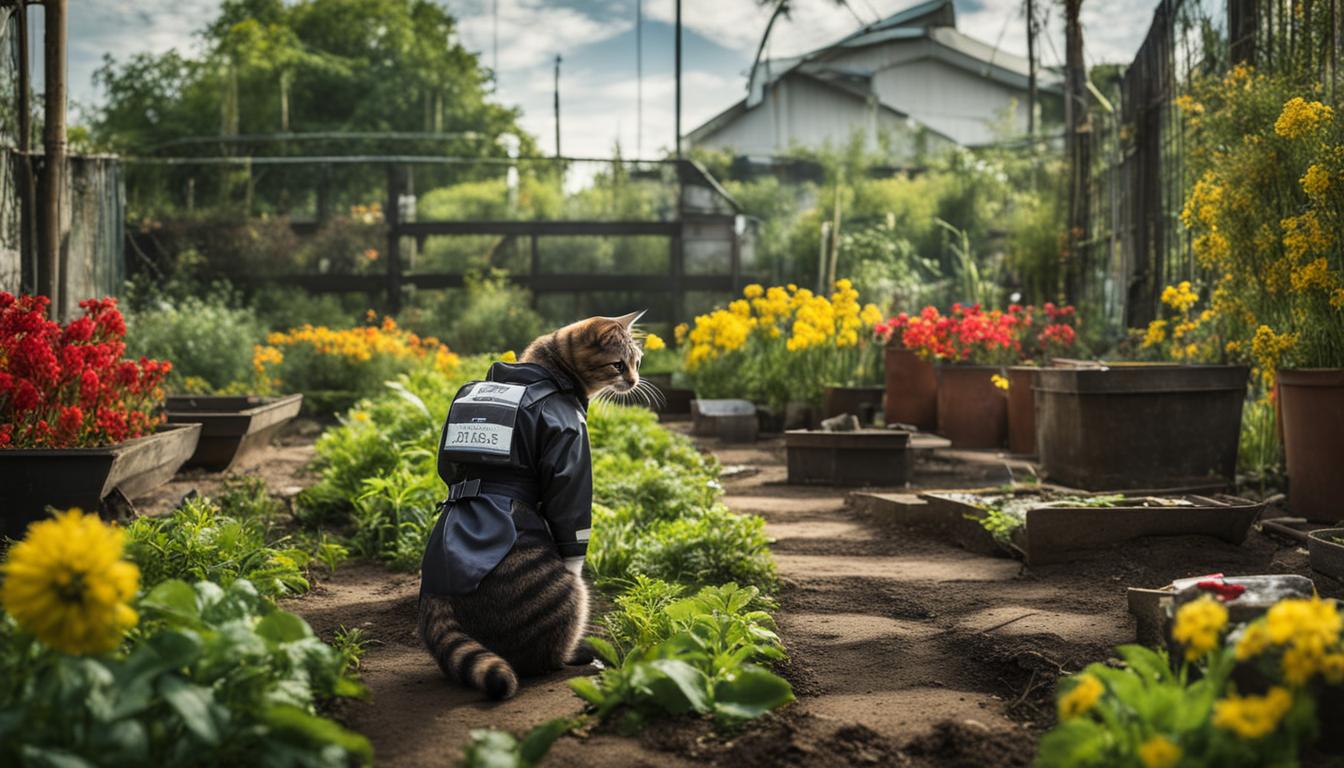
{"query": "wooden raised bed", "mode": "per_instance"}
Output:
(37, 478)
(231, 427)
(1053, 534)
(863, 457)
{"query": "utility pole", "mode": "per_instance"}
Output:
(49, 264)
(678, 57)
(1031, 70)
(494, 40)
(639, 78)
(1077, 137)
(557, 105)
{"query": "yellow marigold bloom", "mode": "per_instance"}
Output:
(870, 315)
(653, 343)
(1081, 698)
(1304, 235)
(740, 307)
(1301, 117)
(1180, 297)
(66, 583)
(1300, 665)
(1306, 623)
(509, 357)
(679, 333)
(1315, 181)
(360, 416)
(1253, 641)
(1332, 667)
(1160, 752)
(843, 284)
(999, 382)
(753, 291)
(1198, 625)
(1252, 717)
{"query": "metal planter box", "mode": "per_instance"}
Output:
(732, 421)
(1140, 427)
(37, 478)
(231, 427)
(865, 457)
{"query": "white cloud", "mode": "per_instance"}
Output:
(531, 32)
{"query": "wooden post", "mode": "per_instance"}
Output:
(392, 218)
(1078, 138)
(49, 265)
(1031, 69)
(534, 268)
(27, 192)
(676, 269)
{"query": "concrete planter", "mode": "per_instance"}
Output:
(37, 478)
(232, 427)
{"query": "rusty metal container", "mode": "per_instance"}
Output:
(1311, 403)
(912, 390)
(1140, 427)
(1021, 411)
(972, 412)
(863, 402)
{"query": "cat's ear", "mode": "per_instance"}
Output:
(629, 320)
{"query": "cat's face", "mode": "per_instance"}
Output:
(607, 354)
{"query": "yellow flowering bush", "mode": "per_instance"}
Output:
(1266, 215)
(67, 584)
(783, 343)
(335, 367)
(1182, 335)
(1151, 714)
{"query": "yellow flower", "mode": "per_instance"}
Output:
(679, 333)
(1180, 297)
(1252, 717)
(1156, 334)
(1315, 274)
(509, 357)
(66, 583)
(652, 343)
(1316, 181)
(1081, 698)
(1337, 298)
(753, 291)
(1300, 665)
(1159, 752)
(999, 382)
(1198, 624)
(360, 416)
(1253, 642)
(1307, 623)
(1301, 117)
(1332, 667)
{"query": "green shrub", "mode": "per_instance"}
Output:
(208, 339)
(198, 541)
(493, 316)
(212, 677)
(713, 547)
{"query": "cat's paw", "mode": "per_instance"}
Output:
(581, 657)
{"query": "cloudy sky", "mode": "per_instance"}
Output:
(597, 40)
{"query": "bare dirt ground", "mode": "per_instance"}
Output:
(905, 649)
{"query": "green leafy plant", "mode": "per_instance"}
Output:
(208, 338)
(492, 748)
(199, 541)
(696, 660)
(213, 676)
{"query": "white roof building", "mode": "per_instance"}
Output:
(908, 83)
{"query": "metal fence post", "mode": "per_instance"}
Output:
(392, 218)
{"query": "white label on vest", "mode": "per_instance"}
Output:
(480, 437)
(489, 392)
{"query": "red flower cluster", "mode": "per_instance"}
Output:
(68, 387)
(973, 335)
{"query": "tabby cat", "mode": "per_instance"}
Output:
(529, 614)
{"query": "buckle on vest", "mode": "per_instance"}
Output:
(467, 489)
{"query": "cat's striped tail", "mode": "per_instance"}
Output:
(461, 658)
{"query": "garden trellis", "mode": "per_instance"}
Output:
(1137, 244)
(584, 235)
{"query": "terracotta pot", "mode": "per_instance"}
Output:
(1158, 427)
(1021, 411)
(912, 390)
(863, 402)
(972, 412)
(1312, 403)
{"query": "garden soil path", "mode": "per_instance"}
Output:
(905, 649)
